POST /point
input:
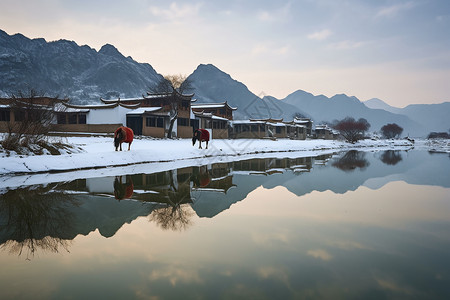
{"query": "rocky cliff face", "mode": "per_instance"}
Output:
(66, 69)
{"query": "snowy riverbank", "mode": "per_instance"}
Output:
(98, 152)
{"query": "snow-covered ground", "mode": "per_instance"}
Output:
(98, 153)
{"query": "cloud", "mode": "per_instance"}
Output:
(176, 12)
(319, 35)
(279, 15)
(320, 254)
(394, 10)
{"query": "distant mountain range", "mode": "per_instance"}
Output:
(434, 117)
(84, 75)
(65, 69)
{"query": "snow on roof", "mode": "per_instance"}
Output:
(212, 105)
(121, 99)
(219, 118)
(278, 124)
(247, 122)
(74, 110)
(301, 121)
(4, 106)
(202, 106)
(143, 110)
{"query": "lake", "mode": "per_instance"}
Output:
(365, 225)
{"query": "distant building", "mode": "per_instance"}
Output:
(214, 116)
(152, 115)
(325, 132)
(268, 128)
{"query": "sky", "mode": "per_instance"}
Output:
(394, 50)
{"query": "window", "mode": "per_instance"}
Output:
(72, 118)
(150, 122)
(218, 125)
(160, 122)
(222, 111)
(183, 122)
(262, 128)
(4, 114)
(254, 128)
(19, 115)
(82, 119)
(154, 122)
(61, 118)
(278, 129)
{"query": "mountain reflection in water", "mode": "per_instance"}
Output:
(49, 217)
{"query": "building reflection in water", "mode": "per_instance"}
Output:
(49, 217)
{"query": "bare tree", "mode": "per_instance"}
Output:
(32, 119)
(173, 84)
(351, 129)
(391, 130)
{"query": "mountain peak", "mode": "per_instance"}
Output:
(110, 50)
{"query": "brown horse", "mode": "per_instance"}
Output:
(123, 135)
(200, 135)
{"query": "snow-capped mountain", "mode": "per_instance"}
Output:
(66, 69)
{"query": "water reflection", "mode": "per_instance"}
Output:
(49, 217)
(35, 218)
(391, 157)
(123, 190)
(352, 160)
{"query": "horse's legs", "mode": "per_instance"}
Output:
(129, 145)
(199, 144)
(206, 144)
(120, 146)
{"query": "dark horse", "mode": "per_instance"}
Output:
(123, 135)
(200, 135)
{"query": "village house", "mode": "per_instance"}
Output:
(152, 115)
(307, 123)
(295, 131)
(14, 111)
(325, 132)
(214, 116)
(268, 128)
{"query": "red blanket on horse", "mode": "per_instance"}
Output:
(204, 135)
(128, 134)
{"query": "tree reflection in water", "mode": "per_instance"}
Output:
(177, 214)
(391, 157)
(176, 218)
(351, 160)
(34, 218)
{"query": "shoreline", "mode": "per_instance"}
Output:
(97, 153)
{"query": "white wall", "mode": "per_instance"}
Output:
(107, 115)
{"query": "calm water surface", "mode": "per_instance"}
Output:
(364, 225)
